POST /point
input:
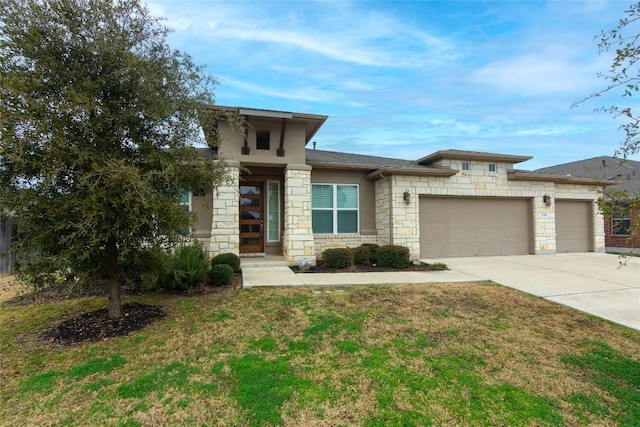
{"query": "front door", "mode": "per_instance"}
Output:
(251, 217)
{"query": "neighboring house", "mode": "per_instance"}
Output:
(627, 173)
(288, 200)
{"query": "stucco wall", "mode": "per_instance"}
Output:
(233, 140)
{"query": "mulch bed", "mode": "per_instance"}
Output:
(320, 267)
(97, 325)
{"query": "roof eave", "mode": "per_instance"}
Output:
(469, 155)
(326, 165)
(387, 171)
(561, 179)
(313, 121)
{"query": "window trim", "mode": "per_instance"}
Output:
(335, 209)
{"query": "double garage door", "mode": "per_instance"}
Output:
(474, 226)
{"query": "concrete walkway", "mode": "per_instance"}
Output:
(590, 282)
(283, 276)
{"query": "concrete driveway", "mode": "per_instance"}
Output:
(591, 282)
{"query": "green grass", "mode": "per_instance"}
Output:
(463, 354)
(616, 375)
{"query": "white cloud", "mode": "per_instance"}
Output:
(299, 94)
(355, 35)
(542, 73)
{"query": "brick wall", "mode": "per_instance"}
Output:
(629, 242)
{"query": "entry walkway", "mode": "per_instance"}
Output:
(283, 276)
(591, 282)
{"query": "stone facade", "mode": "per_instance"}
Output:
(398, 222)
(298, 235)
(225, 224)
(332, 241)
(383, 211)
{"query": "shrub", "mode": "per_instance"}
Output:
(145, 267)
(190, 264)
(373, 251)
(185, 268)
(220, 274)
(337, 258)
(393, 256)
(229, 259)
(362, 255)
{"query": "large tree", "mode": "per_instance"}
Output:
(98, 120)
(623, 76)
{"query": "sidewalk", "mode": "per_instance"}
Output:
(283, 276)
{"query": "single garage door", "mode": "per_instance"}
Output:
(574, 226)
(474, 226)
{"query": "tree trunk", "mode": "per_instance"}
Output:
(113, 274)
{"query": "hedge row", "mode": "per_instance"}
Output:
(388, 256)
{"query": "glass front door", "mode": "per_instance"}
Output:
(251, 218)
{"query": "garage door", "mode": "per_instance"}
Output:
(574, 226)
(452, 226)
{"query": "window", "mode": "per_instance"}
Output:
(334, 208)
(185, 199)
(492, 167)
(465, 166)
(273, 211)
(620, 222)
(262, 139)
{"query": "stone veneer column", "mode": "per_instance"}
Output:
(225, 224)
(405, 224)
(544, 223)
(297, 240)
(383, 211)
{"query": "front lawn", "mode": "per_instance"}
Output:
(453, 354)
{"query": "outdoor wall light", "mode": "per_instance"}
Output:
(406, 196)
(547, 200)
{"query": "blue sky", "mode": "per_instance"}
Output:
(404, 79)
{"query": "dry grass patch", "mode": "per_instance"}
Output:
(458, 354)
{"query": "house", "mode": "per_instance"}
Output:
(287, 199)
(627, 172)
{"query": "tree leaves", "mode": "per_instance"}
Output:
(623, 74)
(98, 117)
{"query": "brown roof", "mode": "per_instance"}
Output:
(625, 172)
(378, 167)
